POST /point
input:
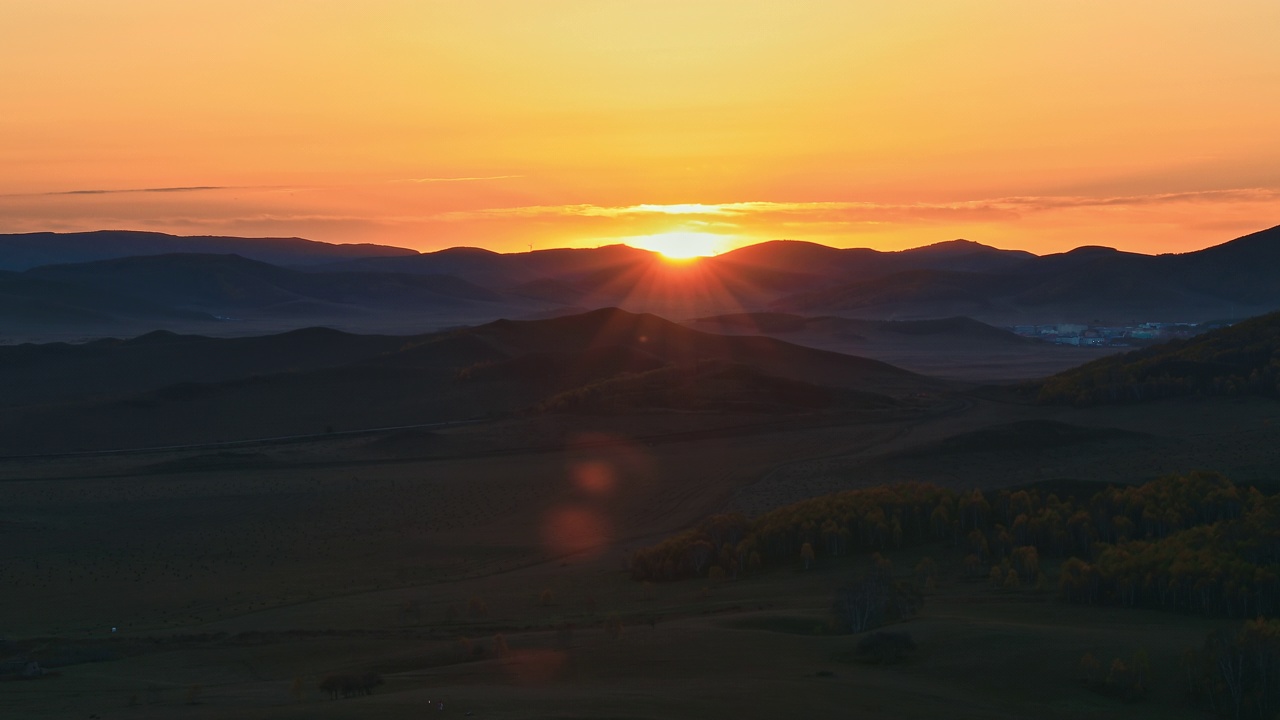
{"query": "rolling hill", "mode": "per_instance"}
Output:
(174, 389)
(396, 290)
(30, 302)
(954, 329)
(1243, 359)
(1234, 279)
(27, 250)
(234, 285)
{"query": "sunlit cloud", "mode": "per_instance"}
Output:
(372, 212)
(989, 208)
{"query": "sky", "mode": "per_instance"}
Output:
(688, 125)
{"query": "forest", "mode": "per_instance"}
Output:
(1187, 543)
(1194, 543)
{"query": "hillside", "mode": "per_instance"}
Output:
(172, 389)
(1236, 360)
(1088, 284)
(676, 344)
(27, 250)
(56, 372)
(34, 302)
(952, 329)
(231, 285)
(403, 291)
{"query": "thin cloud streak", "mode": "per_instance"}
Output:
(1005, 207)
(123, 191)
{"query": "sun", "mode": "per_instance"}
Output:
(680, 245)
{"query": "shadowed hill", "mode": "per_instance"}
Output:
(1241, 359)
(954, 329)
(914, 293)
(676, 344)
(56, 372)
(1089, 284)
(229, 284)
(813, 260)
(1086, 284)
(28, 250)
(171, 389)
(746, 278)
(33, 302)
(1243, 270)
(504, 270)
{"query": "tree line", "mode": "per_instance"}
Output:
(1237, 673)
(1195, 542)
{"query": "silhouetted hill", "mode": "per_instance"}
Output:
(56, 372)
(1090, 284)
(28, 250)
(809, 260)
(945, 329)
(677, 345)
(749, 277)
(1087, 284)
(34, 302)
(1241, 271)
(175, 389)
(230, 284)
(1241, 359)
(914, 293)
(504, 270)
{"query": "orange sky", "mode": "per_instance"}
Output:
(1146, 125)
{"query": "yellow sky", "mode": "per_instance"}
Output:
(1146, 125)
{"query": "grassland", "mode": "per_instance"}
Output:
(237, 579)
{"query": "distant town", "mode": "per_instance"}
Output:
(1084, 335)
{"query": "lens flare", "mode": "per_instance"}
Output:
(594, 478)
(573, 530)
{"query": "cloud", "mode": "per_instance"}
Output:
(122, 191)
(1004, 208)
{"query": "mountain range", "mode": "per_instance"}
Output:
(125, 283)
(172, 389)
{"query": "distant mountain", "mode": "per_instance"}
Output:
(780, 265)
(953, 329)
(28, 250)
(1243, 271)
(170, 389)
(504, 270)
(1235, 279)
(809, 260)
(401, 288)
(1237, 360)
(233, 285)
(32, 302)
